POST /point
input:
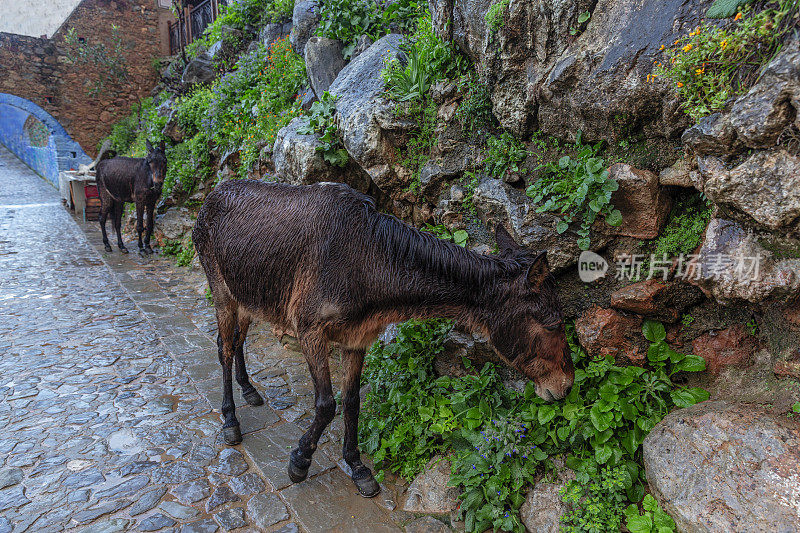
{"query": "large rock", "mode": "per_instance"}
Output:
(765, 187)
(641, 200)
(732, 265)
(543, 507)
(732, 346)
(364, 114)
(296, 158)
(324, 61)
(542, 77)
(718, 466)
(498, 202)
(274, 31)
(305, 18)
(429, 493)
(604, 332)
(656, 299)
(174, 224)
(198, 70)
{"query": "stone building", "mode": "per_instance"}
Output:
(49, 115)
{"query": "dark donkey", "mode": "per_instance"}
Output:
(321, 261)
(126, 179)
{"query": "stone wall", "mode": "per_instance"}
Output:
(37, 138)
(38, 69)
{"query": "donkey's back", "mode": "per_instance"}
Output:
(267, 242)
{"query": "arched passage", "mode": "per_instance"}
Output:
(37, 138)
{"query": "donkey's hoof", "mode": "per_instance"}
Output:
(253, 398)
(232, 435)
(148, 250)
(108, 248)
(123, 249)
(367, 486)
(297, 474)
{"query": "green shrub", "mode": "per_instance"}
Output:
(182, 250)
(685, 227)
(192, 110)
(498, 437)
(128, 135)
(459, 237)
(429, 60)
(712, 64)
(495, 16)
(578, 188)
(321, 120)
(188, 163)
(652, 520)
(417, 151)
(251, 103)
(347, 20)
(474, 113)
(504, 155)
(721, 9)
(596, 500)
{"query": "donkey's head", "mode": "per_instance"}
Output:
(529, 328)
(156, 161)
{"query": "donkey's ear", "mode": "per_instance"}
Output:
(148, 145)
(162, 146)
(505, 242)
(538, 271)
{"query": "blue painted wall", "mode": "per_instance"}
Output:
(45, 156)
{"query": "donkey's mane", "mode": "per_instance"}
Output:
(410, 247)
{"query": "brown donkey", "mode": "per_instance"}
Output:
(321, 261)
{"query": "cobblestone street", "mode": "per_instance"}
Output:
(110, 394)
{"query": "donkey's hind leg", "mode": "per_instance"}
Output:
(352, 361)
(106, 207)
(315, 349)
(226, 339)
(119, 207)
(249, 393)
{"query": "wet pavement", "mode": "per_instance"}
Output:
(110, 390)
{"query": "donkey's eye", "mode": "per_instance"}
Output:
(552, 327)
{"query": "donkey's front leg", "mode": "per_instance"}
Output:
(226, 320)
(139, 223)
(352, 361)
(315, 350)
(150, 222)
(249, 393)
(119, 207)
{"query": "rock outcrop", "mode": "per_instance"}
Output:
(364, 116)
(305, 18)
(719, 466)
(541, 77)
(324, 61)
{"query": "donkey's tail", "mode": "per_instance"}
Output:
(105, 153)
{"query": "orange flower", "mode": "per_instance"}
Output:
(688, 47)
(680, 84)
(738, 16)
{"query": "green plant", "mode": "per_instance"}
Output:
(347, 20)
(459, 236)
(417, 150)
(475, 110)
(499, 437)
(652, 520)
(182, 250)
(429, 59)
(596, 500)
(579, 188)
(495, 15)
(252, 103)
(188, 163)
(504, 155)
(582, 19)
(752, 327)
(321, 120)
(712, 64)
(721, 9)
(209, 297)
(687, 319)
(796, 408)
